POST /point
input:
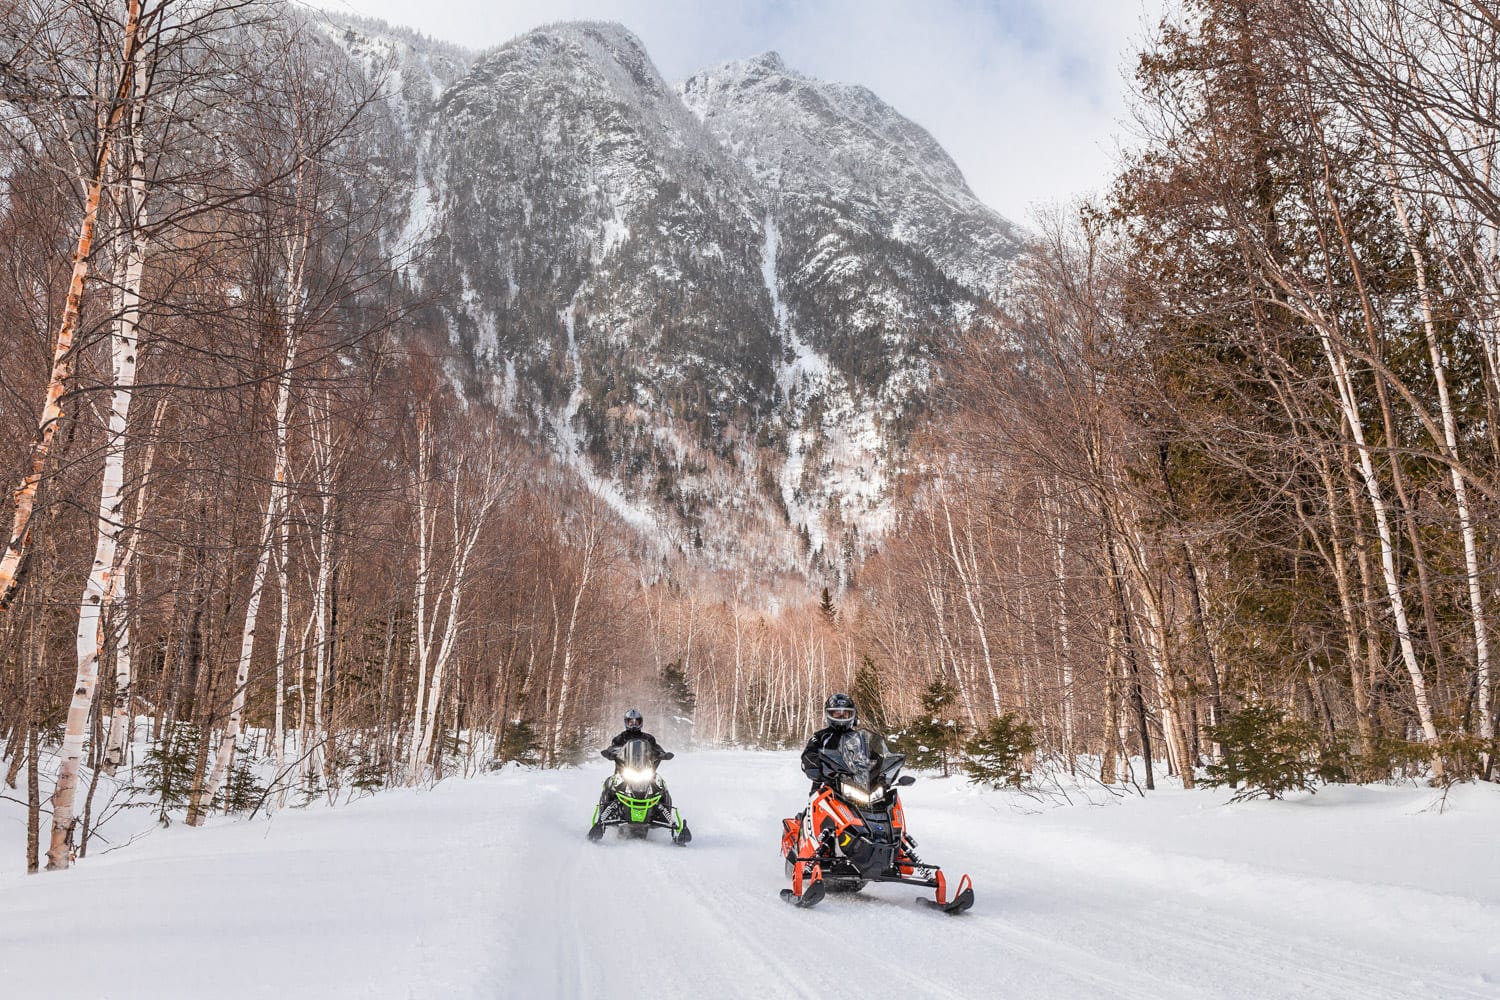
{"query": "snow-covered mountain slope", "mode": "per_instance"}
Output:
(876, 250)
(487, 888)
(868, 190)
(721, 302)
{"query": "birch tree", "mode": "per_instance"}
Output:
(114, 100)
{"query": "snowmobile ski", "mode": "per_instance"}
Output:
(960, 902)
(806, 890)
(812, 896)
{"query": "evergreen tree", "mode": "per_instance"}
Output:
(997, 755)
(931, 741)
(677, 698)
(242, 791)
(166, 771)
(1263, 753)
(868, 694)
(826, 605)
(520, 742)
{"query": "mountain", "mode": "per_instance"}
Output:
(875, 249)
(719, 301)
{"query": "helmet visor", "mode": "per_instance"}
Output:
(634, 723)
(841, 715)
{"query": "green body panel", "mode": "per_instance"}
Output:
(639, 808)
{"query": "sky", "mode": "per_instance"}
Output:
(1027, 96)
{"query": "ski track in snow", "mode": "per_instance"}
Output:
(487, 888)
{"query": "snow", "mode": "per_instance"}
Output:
(809, 139)
(421, 219)
(571, 445)
(486, 887)
(853, 449)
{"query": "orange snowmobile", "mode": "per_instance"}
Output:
(853, 832)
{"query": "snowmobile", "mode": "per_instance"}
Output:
(853, 832)
(636, 805)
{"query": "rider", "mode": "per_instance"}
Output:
(634, 730)
(842, 718)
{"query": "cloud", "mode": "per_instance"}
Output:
(1024, 94)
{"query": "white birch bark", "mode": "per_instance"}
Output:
(473, 498)
(589, 542)
(1060, 580)
(275, 510)
(734, 702)
(425, 527)
(1460, 492)
(117, 623)
(283, 631)
(100, 586)
(444, 651)
(1375, 494)
(1155, 642)
(967, 573)
(63, 357)
(323, 456)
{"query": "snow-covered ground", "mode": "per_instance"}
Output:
(487, 888)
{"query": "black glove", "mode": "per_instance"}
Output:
(608, 753)
(667, 755)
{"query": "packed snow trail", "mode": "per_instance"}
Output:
(487, 888)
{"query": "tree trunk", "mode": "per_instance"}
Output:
(275, 511)
(63, 358)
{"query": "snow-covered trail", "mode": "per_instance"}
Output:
(487, 888)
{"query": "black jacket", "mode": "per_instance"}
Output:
(828, 738)
(657, 753)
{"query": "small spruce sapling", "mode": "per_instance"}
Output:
(242, 789)
(519, 742)
(1263, 753)
(997, 754)
(931, 741)
(166, 770)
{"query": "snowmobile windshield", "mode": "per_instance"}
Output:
(858, 753)
(636, 765)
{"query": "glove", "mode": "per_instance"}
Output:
(667, 755)
(608, 753)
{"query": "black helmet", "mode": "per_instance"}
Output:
(633, 721)
(839, 711)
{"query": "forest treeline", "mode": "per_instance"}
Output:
(1225, 493)
(1223, 488)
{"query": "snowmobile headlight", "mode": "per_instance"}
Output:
(854, 793)
(637, 775)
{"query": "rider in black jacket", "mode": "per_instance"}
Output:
(842, 717)
(633, 731)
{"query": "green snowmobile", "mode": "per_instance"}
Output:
(636, 799)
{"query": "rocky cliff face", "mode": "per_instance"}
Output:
(719, 301)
